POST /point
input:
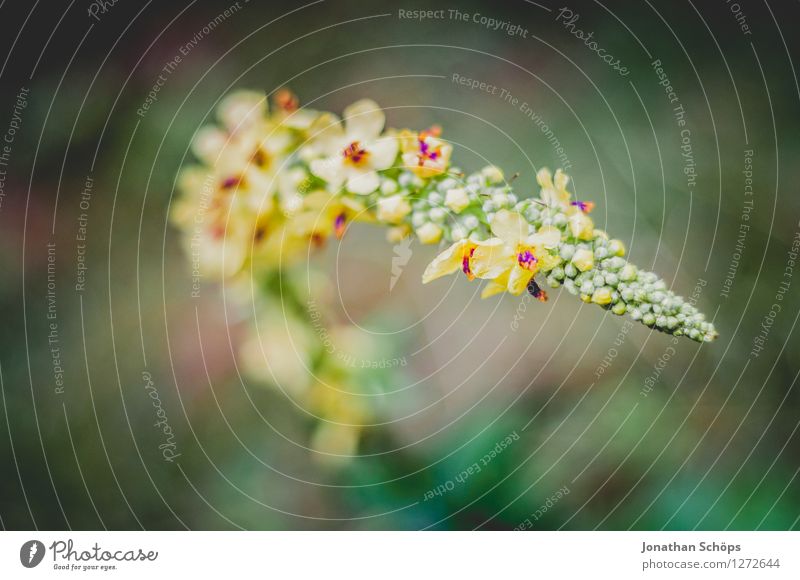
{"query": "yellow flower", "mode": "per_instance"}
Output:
(514, 252)
(288, 112)
(356, 151)
(554, 189)
(457, 256)
(324, 213)
(424, 153)
(242, 110)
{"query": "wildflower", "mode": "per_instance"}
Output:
(515, 252)
(208, 143)
(242, 110)
(456, 257)
(554, 188)
(289, 114)
(424, 153)
(356, 151)
(324, 213)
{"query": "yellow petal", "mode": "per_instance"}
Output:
(331, 170)
(547, 237)
(496, 286)
(445, 263)
(383, 152)
(363, 120)
(241, 109)
(561, 180)
(492, 258)
(363, 182)
(518, 279)
(510, 227)
(544, 178)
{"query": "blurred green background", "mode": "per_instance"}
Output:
(674, 436)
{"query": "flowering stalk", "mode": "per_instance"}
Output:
(274, 183)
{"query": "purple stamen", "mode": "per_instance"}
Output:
(527, 260)
(584, 206)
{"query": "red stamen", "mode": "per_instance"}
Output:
(465, 266)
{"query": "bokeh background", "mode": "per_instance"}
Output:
(611, 426)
